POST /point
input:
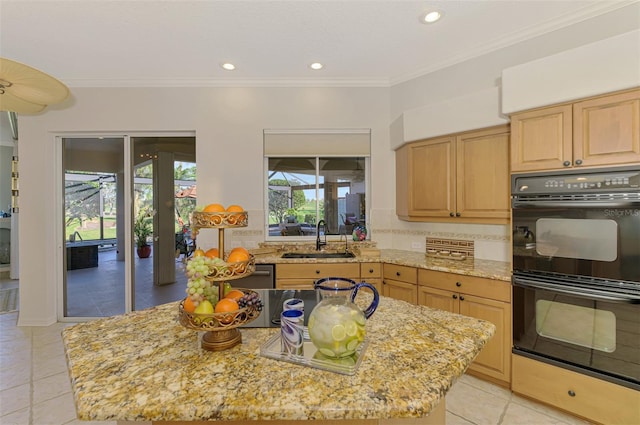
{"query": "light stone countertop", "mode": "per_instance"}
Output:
(498, 270)
(145, 366)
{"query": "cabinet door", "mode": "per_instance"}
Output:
(431, 190)
(495, 358)
(400, 290)
(437, 298)
(606, 130)
(482, 177)
(542, 139)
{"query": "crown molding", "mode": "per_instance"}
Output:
(275, 82)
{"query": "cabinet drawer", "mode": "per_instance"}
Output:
(592, 398)
(488, 288)
(318, 271)
(402, 273)
(368, 270)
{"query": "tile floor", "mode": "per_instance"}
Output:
(35, 388)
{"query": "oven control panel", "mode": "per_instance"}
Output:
(602, 182)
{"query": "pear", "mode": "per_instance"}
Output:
(205, 307)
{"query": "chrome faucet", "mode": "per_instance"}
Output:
(319, 243)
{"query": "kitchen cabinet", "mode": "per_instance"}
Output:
(459, 178)
(372, 273)
(599, 131)
(594, 399)
(400, 283)
(303, 276)
(481, 298)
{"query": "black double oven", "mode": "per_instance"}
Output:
(576, 271)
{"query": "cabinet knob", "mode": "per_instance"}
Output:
(370, 270)
(317, 271)
(461, 297)
(455, 297)
(578, 162)
(457, 214)
(451, 214)
(571, 393)
(397, 273)
(566, 163)
(458, 284)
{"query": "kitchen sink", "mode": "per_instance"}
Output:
(318, 255)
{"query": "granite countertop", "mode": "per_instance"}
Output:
(498, 270)
(145, 366)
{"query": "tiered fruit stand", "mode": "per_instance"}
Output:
(221, 329)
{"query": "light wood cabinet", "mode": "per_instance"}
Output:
(594, 399)
(400, 283)
(303, 276)
(372, 273)
(481, 298)
(598, 131)
(461, 178)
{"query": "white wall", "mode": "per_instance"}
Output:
(228, 123)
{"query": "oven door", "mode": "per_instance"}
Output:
(586, 329)
(578, 238)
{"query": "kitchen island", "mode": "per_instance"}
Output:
(144, 366)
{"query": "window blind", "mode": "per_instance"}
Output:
(355, 142)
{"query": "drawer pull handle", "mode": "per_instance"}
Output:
(566, 163)
(397, 273)
(370, 270)
(571, 393)
(461, 297)
(455, 297)
(458, 284)
(317, 271)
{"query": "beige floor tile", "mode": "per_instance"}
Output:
(456, 420)
(55, 411)
(486, 386)
(21, 417)
(44, 366)
(13, 376)
(486, 408)
(50, 387)
(14, 399)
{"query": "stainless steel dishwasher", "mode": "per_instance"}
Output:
(263, 278)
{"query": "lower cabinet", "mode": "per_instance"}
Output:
(372, 273)
(400, 283)
(579, 394)
(481, 298)
(303, 276)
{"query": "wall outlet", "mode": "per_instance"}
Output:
(416, 245)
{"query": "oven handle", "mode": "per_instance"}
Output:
(575, 204)
(572, 290)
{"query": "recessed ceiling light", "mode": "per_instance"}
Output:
(431, 17)
(316, 66)
(228, 66)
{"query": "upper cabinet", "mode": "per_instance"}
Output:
(603, 130)
(459, 178)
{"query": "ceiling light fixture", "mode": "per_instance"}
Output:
(228, 66)
(431, 17)
(316, 66)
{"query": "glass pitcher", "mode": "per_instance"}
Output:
(336, 324)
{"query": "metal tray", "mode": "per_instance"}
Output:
(312, 358)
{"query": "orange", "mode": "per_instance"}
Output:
(188, 305)
(198, 253)
(237, 256)
(234, 208)
(234, 294)
(213, 208)
(212, 253)
(226, 305)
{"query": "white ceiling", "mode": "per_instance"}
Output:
(183, 42)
